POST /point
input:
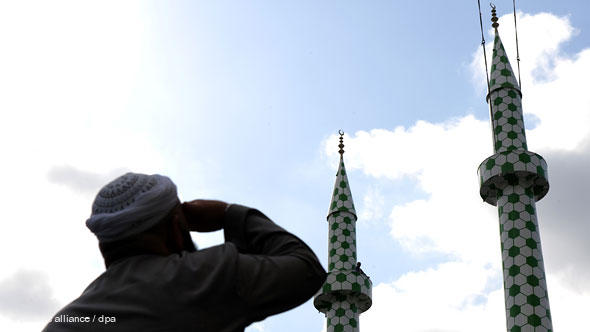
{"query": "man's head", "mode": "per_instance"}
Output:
(139, 214)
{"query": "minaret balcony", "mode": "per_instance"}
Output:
(511, 167)
(345, 285)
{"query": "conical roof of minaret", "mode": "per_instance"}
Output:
(502, 75)
(342, 197)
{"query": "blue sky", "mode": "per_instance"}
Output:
(241, 101)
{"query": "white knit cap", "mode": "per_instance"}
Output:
(131, 204)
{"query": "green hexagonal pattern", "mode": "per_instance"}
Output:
(342, 198)
(525, 289)
(355, 284)
(342, 225)
(344, 296)
(342, 318)
(346, 292)
(506, 168)
(514, 179)
(342, 241)
(507, 119)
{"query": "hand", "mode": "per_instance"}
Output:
(204, 215)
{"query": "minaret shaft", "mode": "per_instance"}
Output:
(345, 314)
(342, 225)
(342, 248)
(514, 179)
(507, 120)
(525, 287)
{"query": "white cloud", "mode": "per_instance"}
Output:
(26, 295)
(443, 158)
(258, 326)
(569, 308)
(372, 209)
(450, 297)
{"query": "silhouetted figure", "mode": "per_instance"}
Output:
(156, 280)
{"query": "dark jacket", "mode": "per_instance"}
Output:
(260, 270)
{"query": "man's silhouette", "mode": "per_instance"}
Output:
(156, 280)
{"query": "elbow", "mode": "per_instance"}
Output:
(317, 276)
(320, 276)
(311, 273)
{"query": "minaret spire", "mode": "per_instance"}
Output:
(513, 179)
(347, 291)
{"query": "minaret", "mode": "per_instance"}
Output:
(347, 291)
(514, 179)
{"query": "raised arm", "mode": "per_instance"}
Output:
(276, 271)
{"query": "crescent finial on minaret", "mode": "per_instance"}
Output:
(341, 145)
(495, 23)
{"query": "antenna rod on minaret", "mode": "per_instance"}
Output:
(516, 34)
(485, 59)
